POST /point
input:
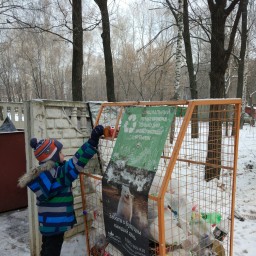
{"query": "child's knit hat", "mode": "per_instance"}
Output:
(46, 149)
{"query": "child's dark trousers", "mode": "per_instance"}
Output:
(51, 245)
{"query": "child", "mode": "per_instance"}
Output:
(52, 184)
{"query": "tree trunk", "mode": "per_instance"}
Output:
(241, 64)
(177, 95)
(77, 62)
(189, 57)
(107, 50)
(190, 65)
(219, 62)
(217, 79)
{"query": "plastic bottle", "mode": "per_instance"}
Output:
(201, 229)
(212, 218)
(190, 243)
(221, 230)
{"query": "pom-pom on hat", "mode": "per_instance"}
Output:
(46, 149)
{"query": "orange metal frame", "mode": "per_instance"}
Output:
(174, 157)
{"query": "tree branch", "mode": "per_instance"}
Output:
(26, 25)
(233, 33)
(173, 10)
(232, 6)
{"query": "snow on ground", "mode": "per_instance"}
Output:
(245, 232)
(14, 229)
(14, 236)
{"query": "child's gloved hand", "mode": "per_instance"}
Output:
(95, 135)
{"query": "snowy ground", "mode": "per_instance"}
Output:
(245, 232)
(14, 236)
(14, 228)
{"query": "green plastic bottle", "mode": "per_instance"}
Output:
(212, 218)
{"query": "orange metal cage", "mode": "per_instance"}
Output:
(200, 155)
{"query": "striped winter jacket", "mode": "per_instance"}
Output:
(52, 184)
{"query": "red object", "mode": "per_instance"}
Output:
(194, 208)
(13, 165)
(109, 131)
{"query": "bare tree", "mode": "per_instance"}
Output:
(241, 61)
(219, 62)
(6, 75)
(178, 15)
(143, 65)
(77, 62)
(103, 6)
(189, 57)
(24, 16)
(191, 70)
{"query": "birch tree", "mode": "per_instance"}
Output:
(178, 62)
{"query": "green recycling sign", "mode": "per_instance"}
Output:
(142, 136)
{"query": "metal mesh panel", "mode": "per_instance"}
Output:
(191, 200)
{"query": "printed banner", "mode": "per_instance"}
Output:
(127, 180)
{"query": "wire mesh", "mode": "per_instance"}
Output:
(195, 176)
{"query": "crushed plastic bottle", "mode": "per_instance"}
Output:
(190, 243)
(178, 200)
(221, 230)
